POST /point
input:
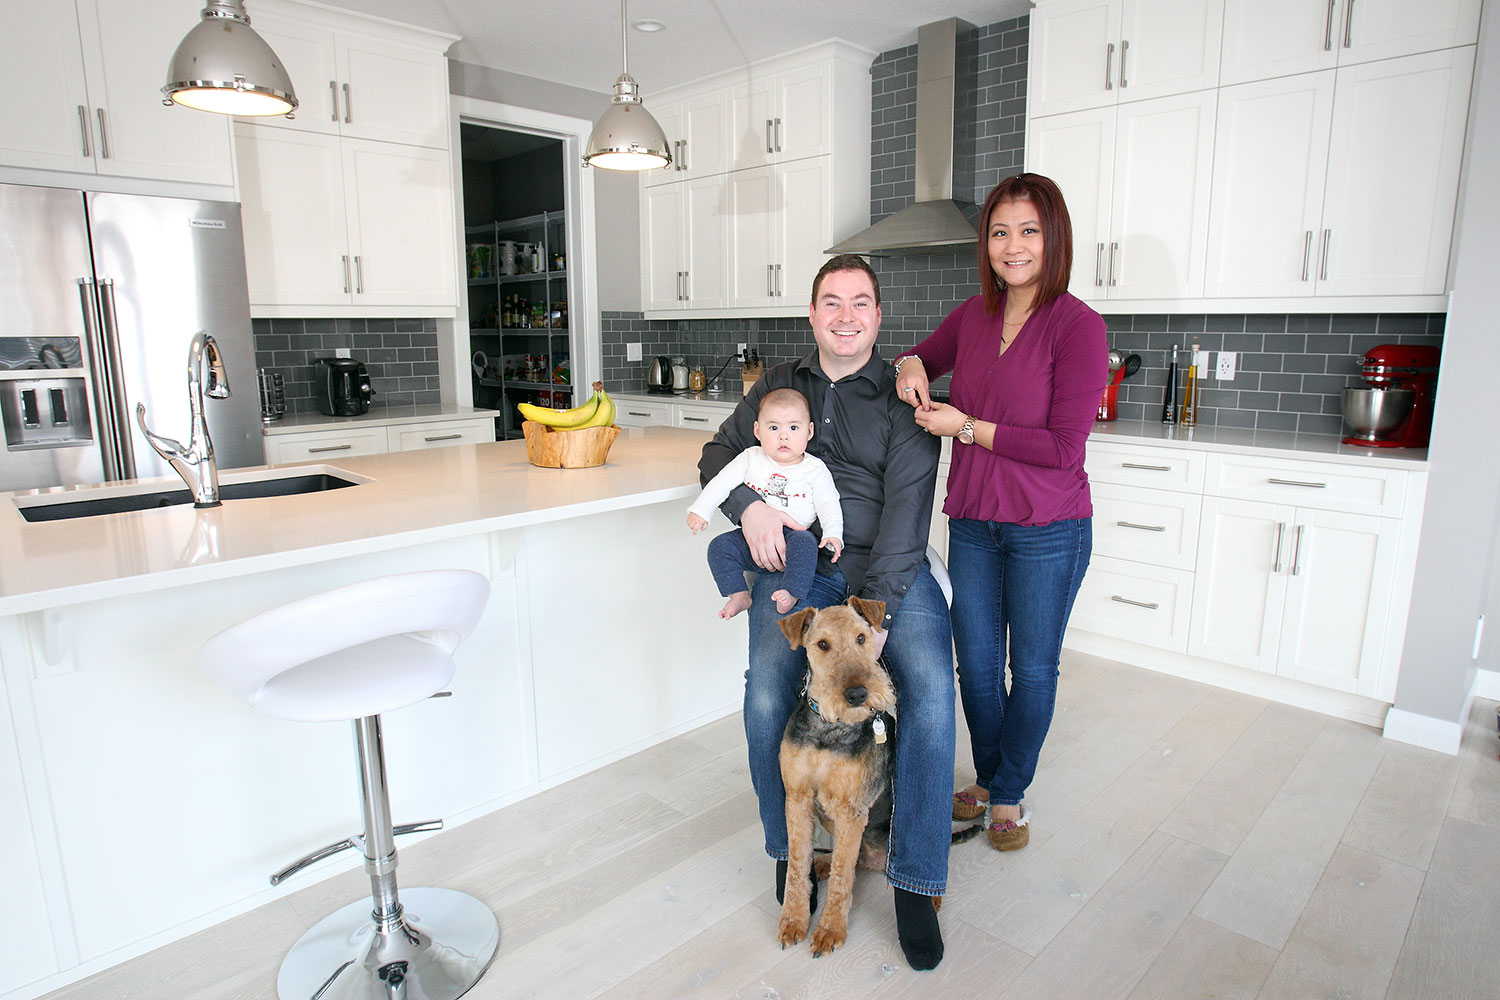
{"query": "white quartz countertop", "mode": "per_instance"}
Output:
(1284, 444)
(412, 497)
(294, 423)
(729, 400)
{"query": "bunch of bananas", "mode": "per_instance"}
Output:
(597, 411)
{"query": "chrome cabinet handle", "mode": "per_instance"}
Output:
(1098, 265)
(1124, 48)
(779, 135)
(1328, 28)
(687, 285)
(1323, 270)
(684, 153)
(1306, 253)
(1112, 248)
(779, 289)
(769, 147)
(1147, 468)
(770, 279)
(1148, 605)
(1141, 527)
(348, 106)
(443, 437)
(1276, 560)
(345, 259)
(1297, 551)
(331, 447)
(1349, 25)
(1109, 66)
(695, 420)
(103, 134)
(359, 276)
(83, 127)
(637, 413)
(333, 88)
(1298, 482)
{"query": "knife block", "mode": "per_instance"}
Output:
(750, 373)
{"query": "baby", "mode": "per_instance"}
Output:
(791, 481)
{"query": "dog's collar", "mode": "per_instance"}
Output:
(877, 720)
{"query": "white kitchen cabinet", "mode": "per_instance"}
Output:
(697, 131)
(327, 445)
(782, 116)
(1098, 53)
(644, 413)
(345, 222)
(25, 923)
(778, 227)
(700, 416)
(440, 434)
(84, 85)
(683, 244)
(356, 77)
(1270, 38)
(1135, 601)
(1397, 137)
(1145, 525)
(1137, 179)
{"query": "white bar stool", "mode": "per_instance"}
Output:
(351, 654)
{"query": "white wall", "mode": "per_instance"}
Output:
(1459, 526)
(616, 198)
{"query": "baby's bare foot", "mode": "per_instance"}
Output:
(784, 601)
(736, 603)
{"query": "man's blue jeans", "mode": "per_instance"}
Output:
(1016, 581)
(919, 657)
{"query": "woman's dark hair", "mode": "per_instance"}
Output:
(1057, 237)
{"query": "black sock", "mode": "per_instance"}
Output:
(917, 930)
(812, 901)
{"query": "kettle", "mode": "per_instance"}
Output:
(659, 375)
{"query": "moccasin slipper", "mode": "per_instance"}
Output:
(967, 806)
(1011, 834)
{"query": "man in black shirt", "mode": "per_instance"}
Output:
(884, 466)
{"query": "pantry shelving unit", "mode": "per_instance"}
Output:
(507, 335)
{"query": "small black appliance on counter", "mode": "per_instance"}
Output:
(341, 386)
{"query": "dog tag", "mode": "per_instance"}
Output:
(879, 726)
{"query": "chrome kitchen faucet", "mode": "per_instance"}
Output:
(195, 462)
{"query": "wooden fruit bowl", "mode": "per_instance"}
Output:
(550, 448)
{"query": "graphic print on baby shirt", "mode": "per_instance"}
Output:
(775, 489)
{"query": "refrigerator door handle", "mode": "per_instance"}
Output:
(119, 420)
(88, 296)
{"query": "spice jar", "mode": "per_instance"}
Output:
(696, 380)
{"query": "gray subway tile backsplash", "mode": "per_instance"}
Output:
(401, 355)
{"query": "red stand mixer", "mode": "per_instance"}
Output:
(1394, 407)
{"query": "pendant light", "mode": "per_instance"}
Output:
(223, 66)
(626, 137)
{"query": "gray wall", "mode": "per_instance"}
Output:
(616, 207)
(1463, 491)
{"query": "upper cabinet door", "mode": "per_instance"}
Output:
(1398, 130)
(1381, 29)
(1168, 47)
(47, 122)
(751, 125)
(669, 115)
(1078, 152)
(1074, 56)
(801, 125)
(307, 53)
(663, 246)
(1270, 38)
(400, 207)
(705, 149)
(392, 92)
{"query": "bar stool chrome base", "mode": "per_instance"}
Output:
(437, 950)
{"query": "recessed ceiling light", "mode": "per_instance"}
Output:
(646, 24)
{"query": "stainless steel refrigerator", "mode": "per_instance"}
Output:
(100, 295)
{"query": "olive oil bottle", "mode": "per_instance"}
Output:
(1190, 390)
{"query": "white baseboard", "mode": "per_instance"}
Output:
(1423, 731)
(1487, 685)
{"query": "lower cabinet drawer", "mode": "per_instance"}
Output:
(1150, 526)
(701, 417)
(409, 437)
(284, 448)
(1126, 600)
(1327, 486)
(635, 413)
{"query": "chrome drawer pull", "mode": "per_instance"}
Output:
(696, 420)
(637, 413)
(1148, 605)
(444, 437)
(1293, 482)
(331, 447)
(1148, 468)
(1142, 527)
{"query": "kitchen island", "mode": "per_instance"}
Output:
(140, 802)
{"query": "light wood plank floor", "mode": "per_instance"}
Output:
(1188, 843)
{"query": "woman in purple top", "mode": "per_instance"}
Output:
(1029, 364)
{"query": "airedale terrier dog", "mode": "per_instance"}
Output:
(836, 763)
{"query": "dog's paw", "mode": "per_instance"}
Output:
(825, 939)
(822, 864)
(791, 930)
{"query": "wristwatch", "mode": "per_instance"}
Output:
(966, 433)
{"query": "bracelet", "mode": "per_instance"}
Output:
(899, 362)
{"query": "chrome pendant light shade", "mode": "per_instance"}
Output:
(223, 66)
(626, 137)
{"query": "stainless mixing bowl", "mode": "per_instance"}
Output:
(1373, 413)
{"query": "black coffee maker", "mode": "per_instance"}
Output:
(341, 386)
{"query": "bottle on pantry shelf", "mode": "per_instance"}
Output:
(1190, 390)
(1169, 402)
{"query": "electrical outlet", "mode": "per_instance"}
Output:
(1226, 366)
(740, 349)
(341, 352)
(632, 352)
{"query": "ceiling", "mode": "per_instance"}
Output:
(577, 42)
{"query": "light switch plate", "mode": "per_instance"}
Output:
(341, 352)
(1226, 366)
(1203, 364)
(632, 352)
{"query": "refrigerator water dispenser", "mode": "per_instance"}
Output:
(45, 413)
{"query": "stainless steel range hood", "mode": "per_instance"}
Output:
(936, 221)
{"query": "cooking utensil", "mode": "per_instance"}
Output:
(1132, 365)
(1116, 361)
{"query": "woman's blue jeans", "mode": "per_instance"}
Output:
(1017, 581)
(919, 655)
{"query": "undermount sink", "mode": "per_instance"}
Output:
(118, 500)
